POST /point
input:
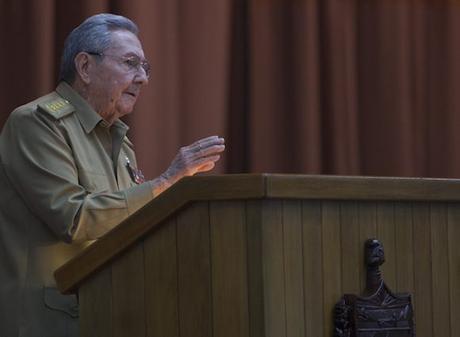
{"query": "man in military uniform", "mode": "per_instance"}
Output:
(68, 173)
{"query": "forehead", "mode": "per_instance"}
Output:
(123, 42)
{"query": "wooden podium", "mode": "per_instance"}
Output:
(269, 255)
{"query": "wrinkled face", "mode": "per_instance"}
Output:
(114, 84)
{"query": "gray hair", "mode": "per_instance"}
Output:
(93, 35)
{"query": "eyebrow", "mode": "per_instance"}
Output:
(134, 54)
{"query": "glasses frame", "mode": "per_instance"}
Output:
(134, 62)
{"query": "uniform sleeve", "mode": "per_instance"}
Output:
(39, 163)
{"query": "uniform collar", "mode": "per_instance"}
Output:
(88, 117)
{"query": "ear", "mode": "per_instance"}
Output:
(83, 64)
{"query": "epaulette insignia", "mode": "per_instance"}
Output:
(58, 108)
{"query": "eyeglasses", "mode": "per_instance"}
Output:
(132, 63)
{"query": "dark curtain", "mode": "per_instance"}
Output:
(363, 87)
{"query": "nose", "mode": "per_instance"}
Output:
(141, 77)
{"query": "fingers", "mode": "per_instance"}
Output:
(209, 141)
(211, 150)
(207, 146)
(206, 164)
(197, 157)
(206, 167)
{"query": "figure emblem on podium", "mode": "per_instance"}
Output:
(378, 312)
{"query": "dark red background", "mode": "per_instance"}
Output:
(306, 86)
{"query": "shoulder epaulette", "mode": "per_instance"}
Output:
(57, 107)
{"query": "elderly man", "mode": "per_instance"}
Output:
(68, 173)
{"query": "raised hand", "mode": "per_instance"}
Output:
(201, 156)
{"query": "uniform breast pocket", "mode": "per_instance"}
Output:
(94, 181)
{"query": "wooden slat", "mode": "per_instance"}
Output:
(332, 289)
(273, 269)
(404, 247)
(256, 301)
(194, 277)
(128, 294)
(454, 267)
(440, 269)
(386, 235)
(313, 270)
(367, 230)
(351, 248)
(229, 269)
(95, 298)
(161, 297)
(423, 302)
(293, 268)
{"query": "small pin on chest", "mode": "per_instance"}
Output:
(136, 175)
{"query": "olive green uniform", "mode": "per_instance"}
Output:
(64, 180)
